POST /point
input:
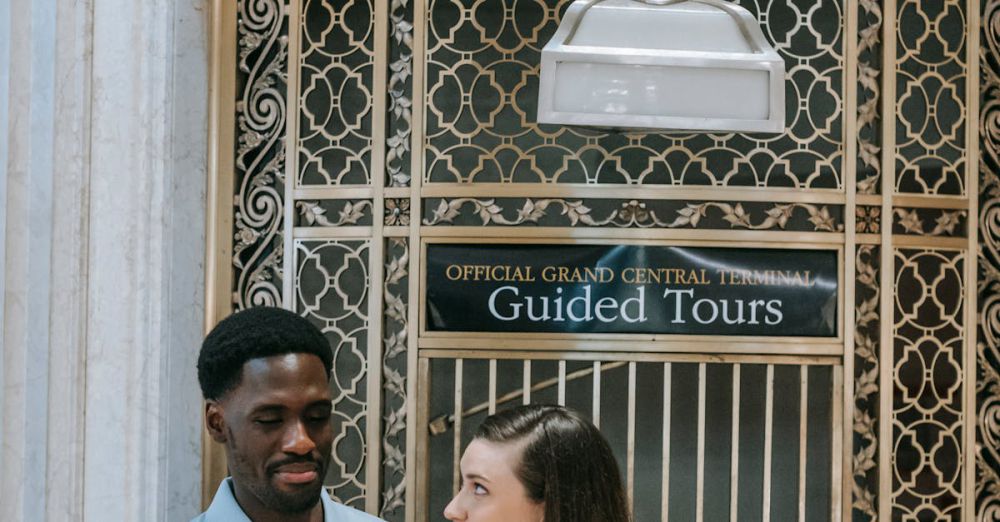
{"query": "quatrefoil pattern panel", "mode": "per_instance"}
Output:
(336, 71)
(331, 290)
(482, 88)
(931, 79)
(929, 336)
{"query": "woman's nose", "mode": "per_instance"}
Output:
(452, 511)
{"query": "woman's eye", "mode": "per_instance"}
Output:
(478, 489)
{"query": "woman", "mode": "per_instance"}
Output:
(539, 463)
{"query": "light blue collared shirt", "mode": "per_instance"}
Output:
(225, 509)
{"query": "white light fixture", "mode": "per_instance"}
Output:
(662, 65)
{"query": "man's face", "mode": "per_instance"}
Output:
(277, 432)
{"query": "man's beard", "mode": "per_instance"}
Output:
(301, 499)
(297, 501)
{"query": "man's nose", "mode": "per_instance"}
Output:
(297, 440)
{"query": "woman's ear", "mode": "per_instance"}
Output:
(215, 422)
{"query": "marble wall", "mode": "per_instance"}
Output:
(103, 133)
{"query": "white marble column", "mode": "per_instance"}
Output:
(103, 118)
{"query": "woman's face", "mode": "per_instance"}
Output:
(491, 492)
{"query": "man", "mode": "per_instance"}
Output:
(264, 373)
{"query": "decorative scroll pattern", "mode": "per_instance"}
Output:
(321, 213)
(336, 70)
(869, 97)
(482, 80)
(634, 214)
(927, 405)
(930, 222)
(331, 289)
(260, 154)
(931, 80)
(868, 219)
(397, 161)
(394, 360)
(866, 385)
(988, 345)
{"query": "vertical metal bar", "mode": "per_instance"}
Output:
(291, 151)
(493, 386)
(419, 473)
(416, 493)
(838, 442)
(768, 440)
(596, 405)
(630, 467)
(734, 469)
(526, 383)
(969, 357)
(848, 277)
(887, 295)
(562, 383)
(665, 469)
(700, 474)
(803, 438)
(373, 459)
(456, 474)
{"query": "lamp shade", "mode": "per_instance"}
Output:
(646, 65)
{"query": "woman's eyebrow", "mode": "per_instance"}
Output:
(476, 476)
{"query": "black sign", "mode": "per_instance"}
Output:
(631, 289)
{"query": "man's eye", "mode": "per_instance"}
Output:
(319, 417)
(478, 489)
(267, 422)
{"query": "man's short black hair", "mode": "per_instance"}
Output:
(251, 334)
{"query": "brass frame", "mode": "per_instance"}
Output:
(219, 252)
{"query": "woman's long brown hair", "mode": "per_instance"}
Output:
(566, 463)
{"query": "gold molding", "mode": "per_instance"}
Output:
(708, 345)
(612, 191)
(373, 460)
(969, 357)
(887, 261)
(627, 234)
(419, 397)
(598, 356)
(848, 273)
(219, 208)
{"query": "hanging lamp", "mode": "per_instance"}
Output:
(660, 65)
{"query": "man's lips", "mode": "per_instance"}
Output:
(297, 473)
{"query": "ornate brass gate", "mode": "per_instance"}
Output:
(350, 134)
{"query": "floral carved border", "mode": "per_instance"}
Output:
(397, 161)
(394, 371)
(314, 213)
(633, 214)
(866, 389)
(869, 96)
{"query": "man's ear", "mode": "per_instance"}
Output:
(215, 422)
